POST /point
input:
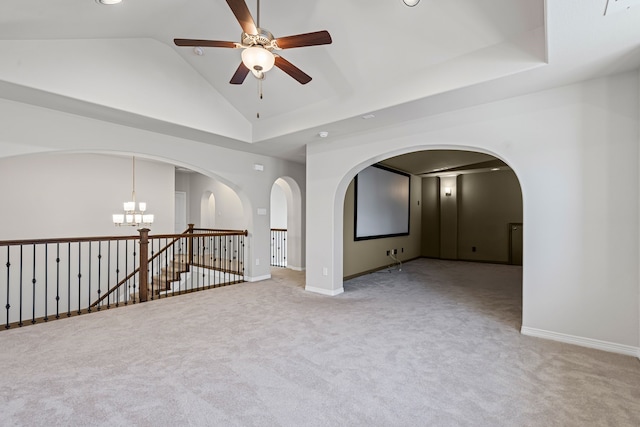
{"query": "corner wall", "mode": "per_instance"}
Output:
(488, 202)
(367, 255)
(575, 152)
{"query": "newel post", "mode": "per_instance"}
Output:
(143, 276)
(190, 245)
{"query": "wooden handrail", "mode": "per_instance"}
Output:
(65, 240)
(186, 234)
(113, 238)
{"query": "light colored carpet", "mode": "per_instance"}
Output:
(435, 344)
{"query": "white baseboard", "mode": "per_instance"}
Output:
(582, 341)
(331, 293)
(257, 278)
(291, 267)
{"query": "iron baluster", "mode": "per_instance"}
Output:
(33, 281)
(8, 305)
(89, 282)
(20, 299)
(108, 272)
(79, 276)
(99, 273)
(57, 280)
(69, 280)
(46, 282)
(117, 273)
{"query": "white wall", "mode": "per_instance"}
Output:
(29, 129)
(229, 211)
(278, 206)
(74, 195)
(575, 152)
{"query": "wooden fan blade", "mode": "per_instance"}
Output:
(292, 70)
(241, 11)
(302, 40)
(240, 75)
(203, 43)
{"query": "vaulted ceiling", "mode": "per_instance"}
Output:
(119, 63)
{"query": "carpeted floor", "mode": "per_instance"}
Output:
(436, 344)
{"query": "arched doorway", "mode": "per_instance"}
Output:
(208, 210)
(286, 220)
(463, 206)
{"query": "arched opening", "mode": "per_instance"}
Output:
(463, 207)
(286, 220)
(208, 210)
(211, 203)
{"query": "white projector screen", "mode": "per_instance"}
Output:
(382, 203)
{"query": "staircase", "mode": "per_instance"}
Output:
(180, 277)
(170, 278)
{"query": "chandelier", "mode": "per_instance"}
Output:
(131, 216)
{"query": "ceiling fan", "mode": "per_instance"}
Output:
(259, 54)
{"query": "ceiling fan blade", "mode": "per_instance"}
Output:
(302, 40)
(240, 75)
(292, 70)
(203, 43)
(241, 11)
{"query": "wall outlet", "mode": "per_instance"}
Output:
(394, 251)
(473, 248)
(388, 253)
(402, 250)
(325, 271)
(257, 261)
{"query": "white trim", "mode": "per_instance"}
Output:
(257, 278)
(582, 341)
(331, 293)
(291, 267)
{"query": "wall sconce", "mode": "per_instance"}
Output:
(447, 191)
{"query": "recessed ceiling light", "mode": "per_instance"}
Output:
(411, 3)
(323, 134)
(368, 116)
(198, 51)
(108, 1)
(495, 169)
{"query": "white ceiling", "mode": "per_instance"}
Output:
(119, 63)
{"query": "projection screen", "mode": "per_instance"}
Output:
(381, 203)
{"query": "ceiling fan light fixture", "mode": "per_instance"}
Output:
(257, 58)
(411, 3)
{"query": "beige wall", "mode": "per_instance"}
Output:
(366, 255)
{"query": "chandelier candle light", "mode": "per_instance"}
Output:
(131, 216)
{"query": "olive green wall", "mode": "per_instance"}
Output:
(477, 214)
(367, 255)
(431, 217)
(487, 203)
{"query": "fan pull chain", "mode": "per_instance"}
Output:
(259, 95)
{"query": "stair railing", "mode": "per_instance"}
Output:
(278, 247)
(48, 279)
